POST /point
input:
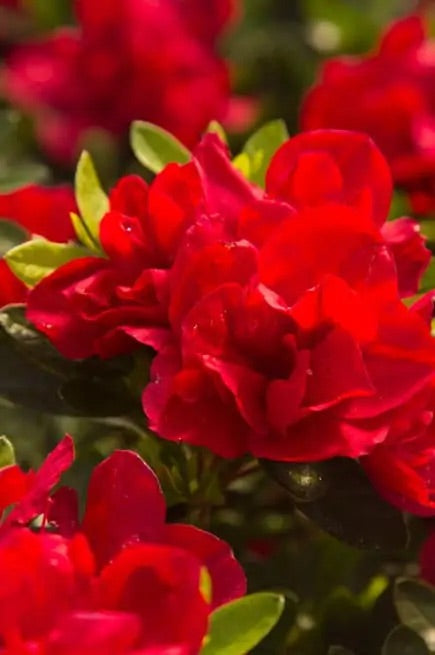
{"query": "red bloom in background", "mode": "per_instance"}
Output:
(389, 95)
(125, 586)
(207, 21)
(129, 59)
(40, 211)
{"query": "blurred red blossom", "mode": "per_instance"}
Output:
(42, 211)
(128, 59)
(130, 586)
(389, 95)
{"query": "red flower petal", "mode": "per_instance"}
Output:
(41, 210)
(12, 290)
(35, 500)
(172, 610)
(410, 255)
(347, 167)
(227, 576)
(122, 486)
(94, 633)
(226, 190)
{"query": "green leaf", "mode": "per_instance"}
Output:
(260, 148)
(216, 128)
(92, 202)
(415, 605)
(328, 492)
(404, 641)
(243, 164)
(154, 147)
(32, 260)
(239, 626)
(275, 641)
(7, 453)
(339, 650)
(82, 233)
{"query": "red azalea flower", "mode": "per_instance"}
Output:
(147, 601)
(277, 315)
(41, 211)
(122, 475)
(130, 59)
(391, 95)
(106, 306)
(80, 588)
(289, 337)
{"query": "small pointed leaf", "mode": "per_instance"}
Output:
(239, 626)
(92, 202)
(32, 260)
(154, 147)
(261, 146)
(82, 233)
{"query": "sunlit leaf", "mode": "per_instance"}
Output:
(32, 260)
(261, 147)
(240, 625)
(154, 147)
(92, 202)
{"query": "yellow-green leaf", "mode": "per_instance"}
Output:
(260, 148)
(239, 626)
(33, 260)
(92, 202)
(7, 453)
(154, 147)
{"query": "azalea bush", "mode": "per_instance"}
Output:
(234, 323)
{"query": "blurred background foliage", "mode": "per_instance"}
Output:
(336, 594)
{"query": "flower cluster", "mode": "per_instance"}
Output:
(121, 580)
(127, 60)
(42, 211)
(276, 315)
(390, 93)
